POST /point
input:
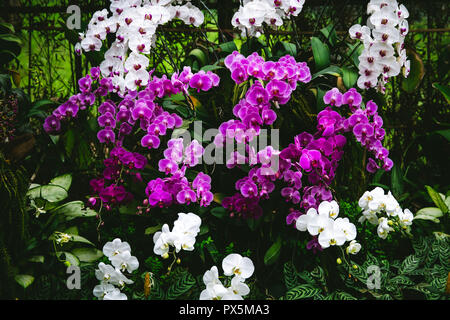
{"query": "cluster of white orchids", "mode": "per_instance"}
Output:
(182, 236)
(235, 266)
(384, 211)
(134, 23)
(252, 14)
(110, 276)
(384, 53)
(330, 230)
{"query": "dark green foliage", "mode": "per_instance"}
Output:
(13, 222)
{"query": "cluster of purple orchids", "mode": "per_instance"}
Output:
(109, 188)
(315, 156)
(117, 121)
(175, 187)
(365, 123)
(273, 83)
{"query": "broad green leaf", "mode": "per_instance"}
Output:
(152, 230)
(63, 181)
(69, 141)
(321, 53)
(437, 199)
(330, 33)
(397, 181)
(73, 209)
(331, 70)
(87, 254)
(199, 55)
(219, 212)
(51, 193)
(431, 212)
(228, 47)
(445, 90)
(282, 48)
(77, 238)
(42, 103)
(25, 280)
(72, 230)
(72, 259)
(416, 74)
(444, 133)
(273, 253)
(349, 77)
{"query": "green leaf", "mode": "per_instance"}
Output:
(444, 133)
(199, 55)
(302, 291)
(273, 253)
(341, 295)
(152, 230)
(330, 33)
(401, 280)
(437, 199)
(25, 280)
(397, 181)
(77, 238)
(211, 67)
(282, 48)
(410, 264)
(349, 77)
(42, 103)
(219, 212)
(429, 213)
(73, 210)
(228, 47)
(290, 275)
(51, 193)
(63, 181)
(321, 53)
(306, 276)
(183, 283)
(72, 259)
(87, 254)
(331, 70)
(445, 90)
(6, 28)
(416, 74)
(11, 42)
